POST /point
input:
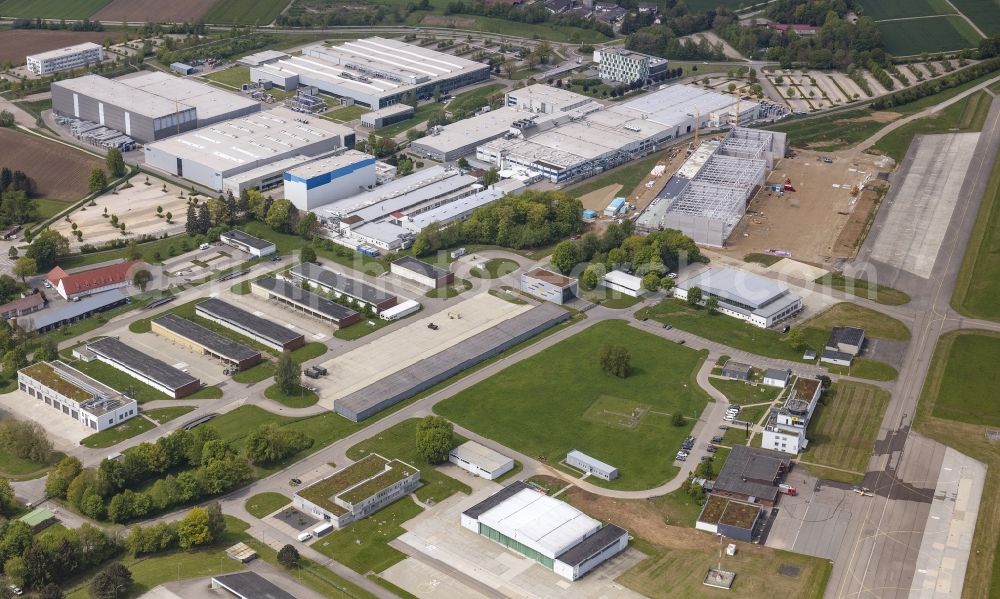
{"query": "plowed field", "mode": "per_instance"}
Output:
(18, 43)
(154, 11)
(59, 172)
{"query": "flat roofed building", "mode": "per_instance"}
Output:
(848, 340)
(254, 246)
(777, 377)
(421, 272)
(626, 66)
(343, 286)
(730, 518)
(458, 210)
(76, 395)
(623, 282)
(254, 327)
(38, 519)
(145, 368)
(581, 461)
(549, 286)
(547, 530)
(374, 72)
(376, 119)
(751, 472)
(480, 460)
(210, 154)
(299, 299)
(786, 427)
(249, 585)
(264, 177)
(758, 300)
(70, 312)
(205, 341)
(357, 490)
(737, 370)
(326, 180)
(147, 106)
(837, 358)
(64, 59)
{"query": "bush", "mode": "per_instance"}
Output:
(435, 439)
(616, 360)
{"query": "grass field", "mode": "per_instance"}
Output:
(969, 114)
(628, 176)
(978, 284)
(345, 114)
(941, 34)
(560, 399)
(232, 77)
(743, 393)
(893, 9)
(943, 415)
(51, 9)
(303, 398)
(15, 468)
(844, 428)
(117, 434)
(164, 415)
(148, 251)
(260, 12)
(496, 268)
(363, 546)
(262, 504)
(984, 13)
(763, 259)
(867, 369)
(865, 289)
(875, 324)
(399, 442)
(255, 374)
(832, 132)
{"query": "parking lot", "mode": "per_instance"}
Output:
(64, 432)
(198, 264)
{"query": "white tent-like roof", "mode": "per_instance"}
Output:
(540, 522)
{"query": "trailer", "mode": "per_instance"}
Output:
(322, 529)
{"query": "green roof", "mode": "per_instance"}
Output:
(46, 375)
(37, 516)
(322, 492)
(398, 471)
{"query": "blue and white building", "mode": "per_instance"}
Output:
(320, 182)
(758, 300)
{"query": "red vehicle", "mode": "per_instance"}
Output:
(787, 489)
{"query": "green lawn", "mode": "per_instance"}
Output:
(16, 468)
(164, 415)
(345, 114)
(450, 291)
(291, 244)
(363, 545)
(618, 301)
(260, 12)
(233, 76)
(560, 399)
(52, 9)
(148, 251)
(255, 374)
(962, 392)
(115, 435)
(362, 328)
(422, 114)
(303, 398)
(119, 381)
(830, 132)
(753, 414)
(969, 114)
(867, 369)
(474, 98)
(865, 289)
(399, 442)
(978, 285)
(764, 259)
(875, 324)
(262, 504)
(940, 34)
(845, 426)
(893, 9)
(628, 176)
(740, 392)
(495, 268)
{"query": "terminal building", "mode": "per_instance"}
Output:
(785, 430)
(205, 341)
(709, 195)
(758, 300)
(326, 180)
(592, 138)
(64, 59)
(625, 66)
(144, 368)
(547, 530)
(147, 106)
(249, 325)
(358, 490)
(211, 154)
(374, 72)
(76, 395)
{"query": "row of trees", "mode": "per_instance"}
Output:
(200, 526)
(531, 13)
(529, 219)
(16, 205)
(620, 248)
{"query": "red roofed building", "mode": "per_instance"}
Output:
(95, 280)
(22, 306)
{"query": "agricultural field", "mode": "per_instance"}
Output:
(259, 12)
(50, 9)
(894, 9)
(18, 43)
(561, 399)
(697, 6)
(57, 171)
(843, 430)
(915, 36)
(155, 11)
(984, 13)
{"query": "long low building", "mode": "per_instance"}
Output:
(421, 272)
(70, 312)
(341, 285)
(758, 300)
(547, 530)
(76, 395)
(147, 106)
(375, 72)
(460, 209)
(297, 298)
(251, 326)
(211, 154)
(64, 59)
(246, 242)
(480, 460)
(427, 372)
(145, 368)
(205, 341)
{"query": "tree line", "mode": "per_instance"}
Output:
(16, 205)
(934, 86)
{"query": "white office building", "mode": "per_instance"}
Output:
(622, 282)
(64, 59)
(480, 460)
(76, 395)
(320, 182)
(786, 427)
(758, 300)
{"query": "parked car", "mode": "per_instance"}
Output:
(668, 326)
(712, 449)
(295, 482)
(717, 439)
(15, 589)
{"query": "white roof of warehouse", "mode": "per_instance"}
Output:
(743, 287)
(447, 211)
(624, 279)
(326, 165)
(113, 91)
(480, 455)
(210, 101)
(401, 194)
(547, 525)
(477, 129)
(259, 58)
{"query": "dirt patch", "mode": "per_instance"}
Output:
(58, 172)
(599, 199)
(154, 11)
(883, 116)
(16, 44)
(439, 21)
(852, 235)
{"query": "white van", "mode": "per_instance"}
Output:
(305, 536)
(204, 246)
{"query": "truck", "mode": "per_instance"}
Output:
(458, 253)
(322, 529)
(787, 489)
